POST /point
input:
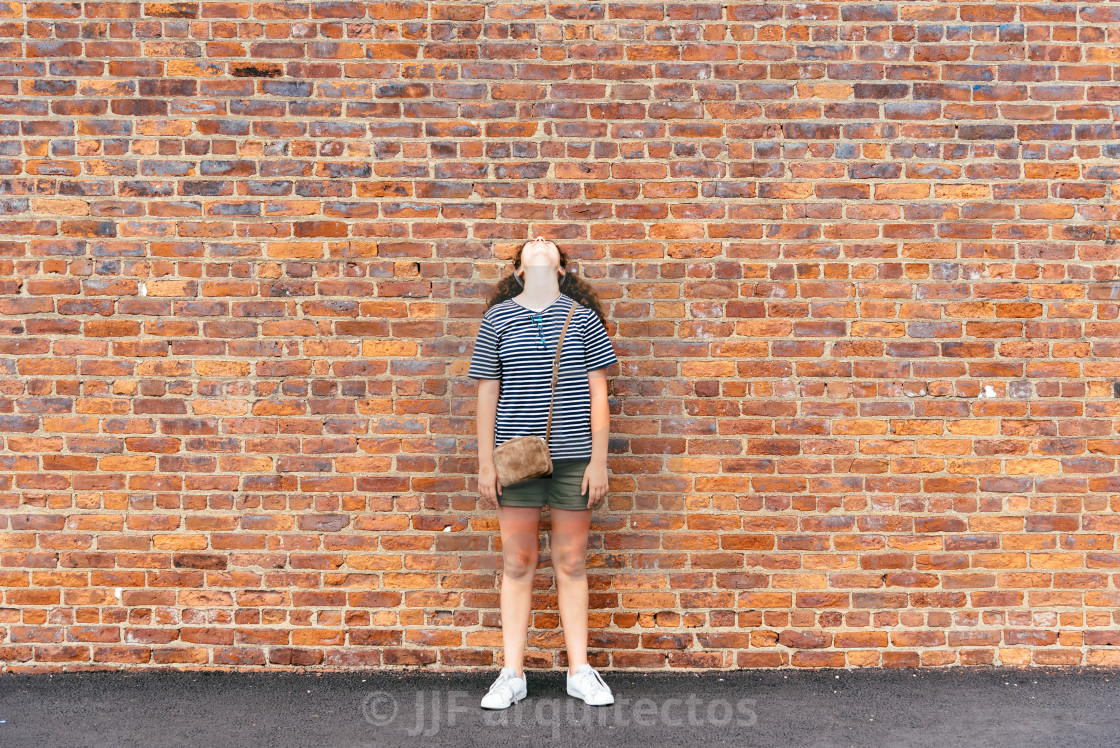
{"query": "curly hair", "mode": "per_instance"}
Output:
(570, 284)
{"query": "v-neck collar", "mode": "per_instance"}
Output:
(539, 311)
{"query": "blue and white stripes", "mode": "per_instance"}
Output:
(508, 347)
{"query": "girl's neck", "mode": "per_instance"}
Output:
(539, 293)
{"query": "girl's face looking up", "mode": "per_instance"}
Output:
(540, 256)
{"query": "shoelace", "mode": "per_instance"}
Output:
(596, 680)
(503, 680)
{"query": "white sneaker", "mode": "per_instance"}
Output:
(587, 684)
(509, 688)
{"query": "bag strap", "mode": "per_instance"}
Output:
(556, 372)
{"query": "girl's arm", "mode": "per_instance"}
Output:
(595, 478)
(600, 416)
(486, 415)
(600, 354)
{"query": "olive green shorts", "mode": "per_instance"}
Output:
(560, 489)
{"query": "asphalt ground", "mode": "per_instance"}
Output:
(830, 708)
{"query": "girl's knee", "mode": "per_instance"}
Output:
(569, 565)
(519, 563)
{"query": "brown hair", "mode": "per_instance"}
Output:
(570, 284)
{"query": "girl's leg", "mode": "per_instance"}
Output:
(569, 556)
(519, 528)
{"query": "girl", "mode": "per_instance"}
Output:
(513, 359)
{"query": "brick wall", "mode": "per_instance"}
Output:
(859, 262)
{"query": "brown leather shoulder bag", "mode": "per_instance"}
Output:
(526, 457)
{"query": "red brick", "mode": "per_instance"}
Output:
(864, 299)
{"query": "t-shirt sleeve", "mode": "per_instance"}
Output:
(597, 344)
(485, 363)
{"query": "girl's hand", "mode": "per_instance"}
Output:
(488, 485)
(595, 483)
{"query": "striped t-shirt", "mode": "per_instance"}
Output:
(508, 348)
